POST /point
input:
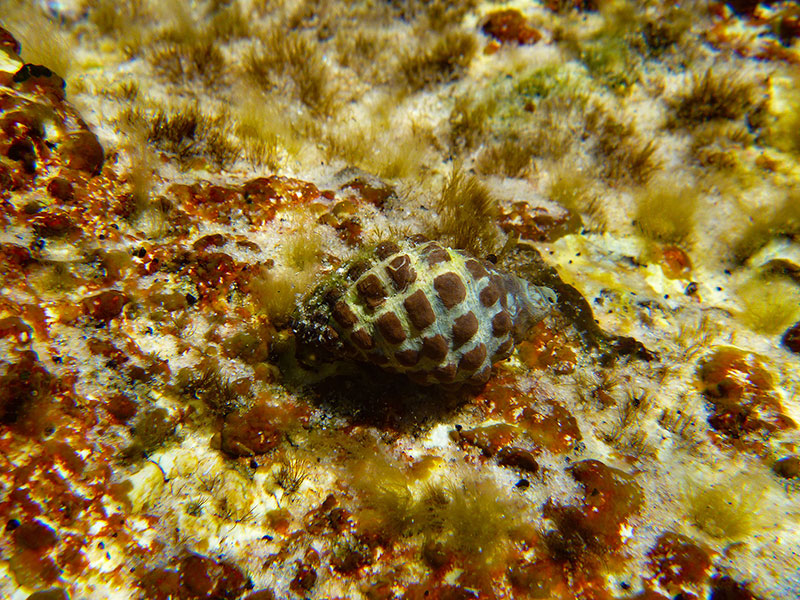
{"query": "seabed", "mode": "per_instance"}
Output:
(177, 177)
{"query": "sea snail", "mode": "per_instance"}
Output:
(436, 314)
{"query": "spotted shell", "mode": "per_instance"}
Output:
(436, 314)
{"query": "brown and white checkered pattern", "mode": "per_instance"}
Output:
(431, 312)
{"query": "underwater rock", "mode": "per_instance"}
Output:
(678, 563)
(433, 313)
(747, 7)
(105, 306)
(51, 594)
(510, 25)
(83, 152)
(8, 42)
(741, 394)
(787, 467)
(791, 339)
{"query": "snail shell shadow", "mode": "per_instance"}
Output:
(367, 395)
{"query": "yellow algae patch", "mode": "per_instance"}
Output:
(148, 486)
(768, 305)
(726, 508)
(185, 464)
